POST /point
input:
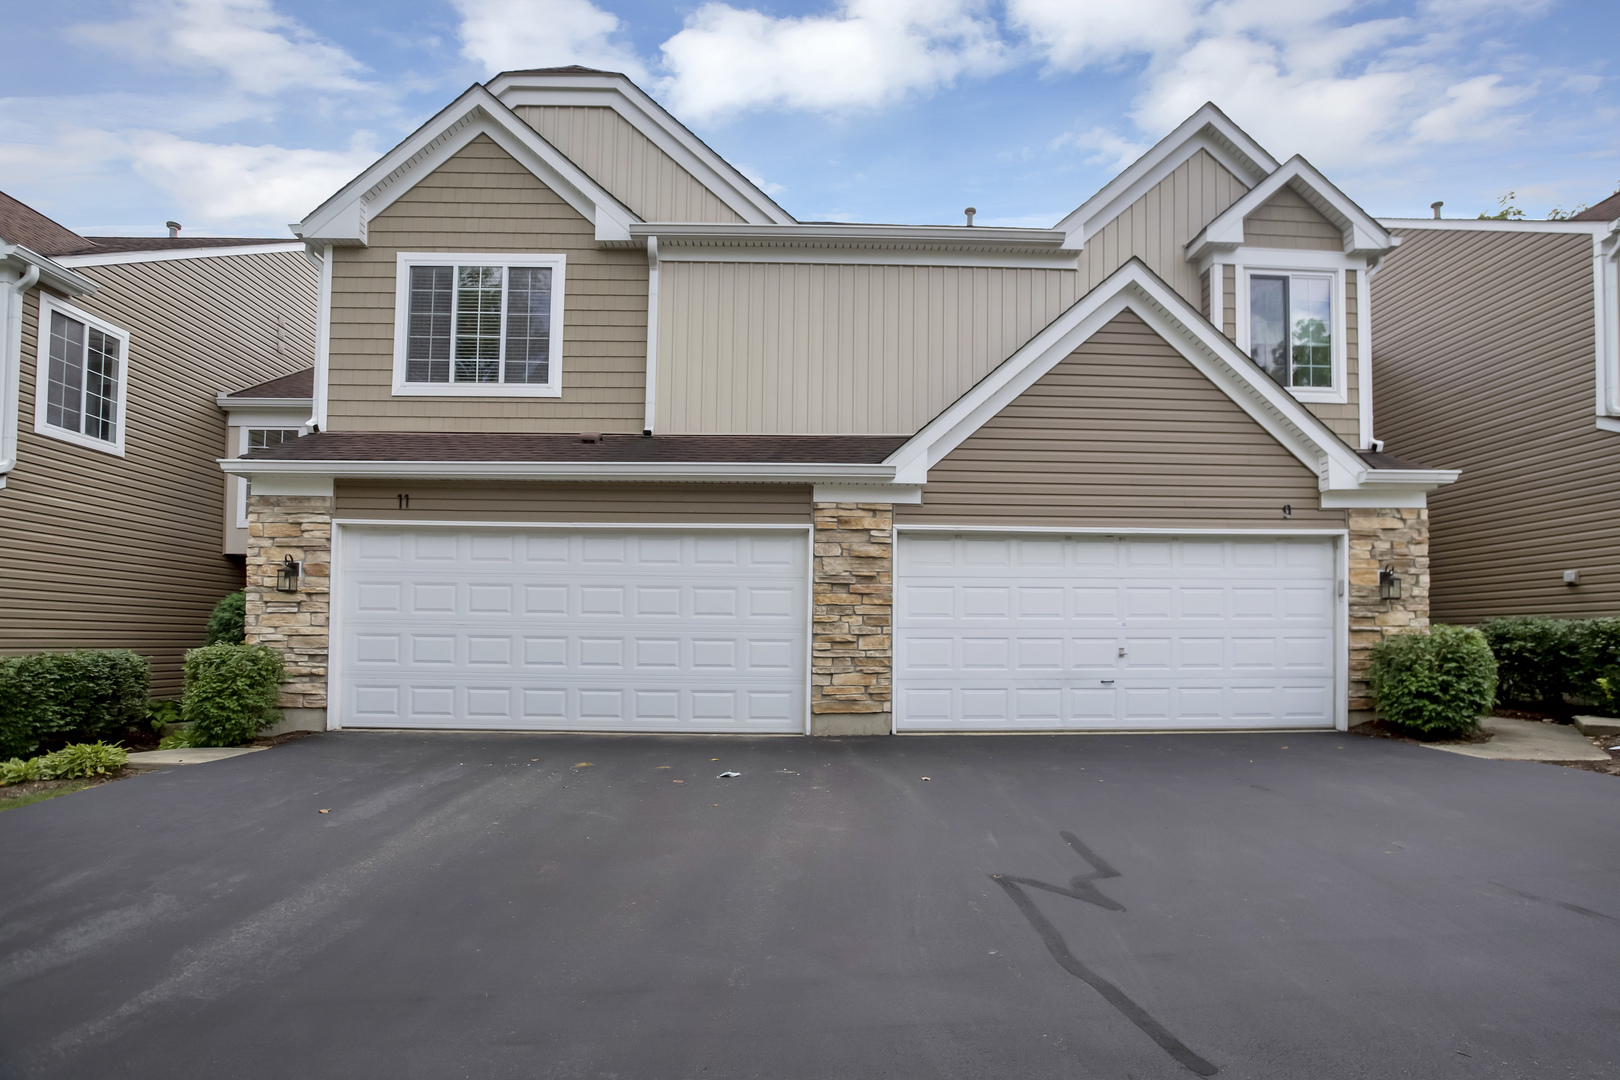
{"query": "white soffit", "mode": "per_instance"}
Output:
(1208, 129)
(342, 219)
(1363, 234)
(615, 91)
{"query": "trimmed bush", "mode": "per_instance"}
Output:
(1596, 645)
(225, 624)
(72, 762)
(1434, 685)
(231, 693)
(1536, 658)
(51, 698)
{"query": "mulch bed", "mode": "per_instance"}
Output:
(1381, 729)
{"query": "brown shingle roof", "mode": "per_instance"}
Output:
(300, 384)
(22, 224)
(414, 446)
(1387, 461)
(112, 244)
(1607, 210)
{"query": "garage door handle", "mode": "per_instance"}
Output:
(1122, 650)
(1108, 682)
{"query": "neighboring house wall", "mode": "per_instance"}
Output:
(124, 552)
(1286, 220)
(751, 504)
(627, 163)
(1483, 346)
(481, 200)
(1123, 432)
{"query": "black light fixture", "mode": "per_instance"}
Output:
(1389, 586)
(287, 575)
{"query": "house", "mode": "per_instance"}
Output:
(114, 351)
(607, 440)
(1498, 353)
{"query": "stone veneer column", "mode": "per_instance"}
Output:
(851, 657)
(294, 624)
(1398, 539)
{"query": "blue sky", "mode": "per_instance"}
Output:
(237, 116)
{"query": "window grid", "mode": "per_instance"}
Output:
(1290, 328)
(479, 324)
(427, 355)
(82, 378)
(259, 438)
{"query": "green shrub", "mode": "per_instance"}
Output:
(1596, 645)
(225, 625)
(73, 762)
(231, 693)
(1434, 685)
(51, 698)
(1536, 658)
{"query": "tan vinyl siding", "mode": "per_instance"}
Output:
(1229, 301)
(810, 349)
(1158, 226)
(1203, 293)
(1483, 354)
(1122, 432)
(480, 199)
(753, 504)
(109, 552)
(1287, 221)
(627, 163)
(1345, 419)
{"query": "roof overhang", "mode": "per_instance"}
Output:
(1364, 237)
(920, 245)
(342, 220)
(708, 472)
(51, 272)
(1209, 130)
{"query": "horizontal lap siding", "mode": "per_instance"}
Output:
(627, 163)
(1287, 221)
(1484, 361)
(752, 504)
(768, 348)
(480, 199)
(1123, 432)
(109, 552)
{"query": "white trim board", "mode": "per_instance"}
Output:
(1594, 228)
(747, 472)
(112, 258)
(42, 354)
(1362, 233)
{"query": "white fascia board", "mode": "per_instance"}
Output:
(1591, 228)
(1608, 423)
(269, 247)
(722, 472)
(1135, 287)
(343, 218)
(672, 233)
(617, 92)
(873, 256)
(906, 494)
(877, 245)
(1208, 129)
(1362, 233)
(288, 415)
(51, 272)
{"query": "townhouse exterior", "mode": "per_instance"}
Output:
(604, 439)
(1498, 353)
(114, 351)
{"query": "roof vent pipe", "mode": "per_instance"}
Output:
(1435, 206)
(174, 228)
(970, 211)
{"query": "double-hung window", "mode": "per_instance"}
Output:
(478, 324)
(81, 378)
(1291, 328)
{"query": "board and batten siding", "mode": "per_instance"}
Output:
(628, 164)
(104, 552)
(631, 503)
(1286, 220)
(1483, 360)
(1123, 432)
(480, 199)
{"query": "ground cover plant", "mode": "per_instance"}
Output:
(73, 762)
(1435, 685)
(50, 699)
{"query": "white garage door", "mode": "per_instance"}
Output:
(1032, 632)
(596, 630)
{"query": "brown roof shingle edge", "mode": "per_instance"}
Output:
(120, 244)
(300, 384)
(414, 446)
(22, 224)
(1607, 210)
(1387, 461)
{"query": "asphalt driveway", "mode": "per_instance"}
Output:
(1285, 906)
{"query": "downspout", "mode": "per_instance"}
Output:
(652, 335)
(11, 376)
(1364, 348)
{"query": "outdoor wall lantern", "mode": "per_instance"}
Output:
(1389, 586)
(287, 575)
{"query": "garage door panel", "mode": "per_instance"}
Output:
(629, 630)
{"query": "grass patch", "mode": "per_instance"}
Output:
(40, 791)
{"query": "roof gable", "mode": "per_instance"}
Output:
(342, 219)
(1362, 235)
(21, 224)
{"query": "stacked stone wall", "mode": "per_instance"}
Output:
(294, 624)
(851, 659)
(1398, 540)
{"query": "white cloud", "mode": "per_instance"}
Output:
(236, 183)
(1477, 109)
(1110, 148)
(869, 53)
(503, 35)
(258, 48)
(1072, 35)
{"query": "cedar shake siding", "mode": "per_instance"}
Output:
(1286, 220)
(752, 504)
(628, 164)
(480, 199)
(1122, 432)
(106, 552)
(1483, 361)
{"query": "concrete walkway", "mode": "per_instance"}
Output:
(147, 760)
(1526, 740)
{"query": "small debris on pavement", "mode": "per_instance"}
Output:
(663, 766)
(326, 811)
(581, 764)
(677, 781)
(727, 773)
(928, 778)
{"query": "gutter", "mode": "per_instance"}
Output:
(840, 235)
(226, 401)
(718, 472)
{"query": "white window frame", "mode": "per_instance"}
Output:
(1282, 262)
(242, 482)
(49, 305)
(402, 314)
